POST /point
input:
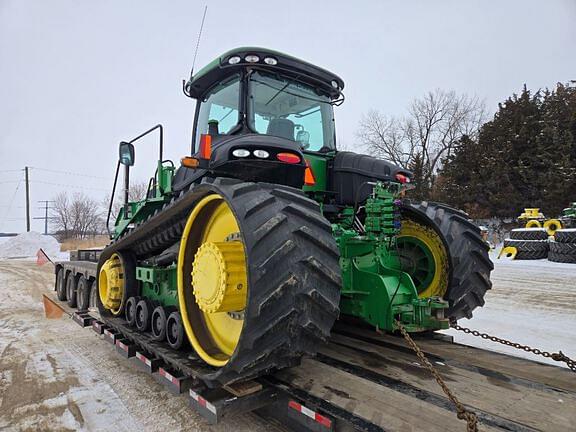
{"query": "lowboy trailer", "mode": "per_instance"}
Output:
(360, 380)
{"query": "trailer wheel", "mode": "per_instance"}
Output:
(71, 290)
(83, 294)
(61, 284)
(174, 330)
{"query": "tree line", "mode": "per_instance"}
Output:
(525, 156)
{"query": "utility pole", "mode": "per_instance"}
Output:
(46, 208)
(27, 200)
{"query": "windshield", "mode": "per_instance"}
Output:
(289, 109)
(220, 104)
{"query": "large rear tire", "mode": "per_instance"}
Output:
(292, 273)
(469, 266)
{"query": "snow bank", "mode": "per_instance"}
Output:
(27, 244)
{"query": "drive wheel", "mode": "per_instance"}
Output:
(116, 283)
(71, 290)
(83, 291)
(450, 257)
(258, 278)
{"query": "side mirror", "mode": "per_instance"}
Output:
(303, 137)
(127, 155)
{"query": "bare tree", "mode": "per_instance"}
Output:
(426, 136)
(137, 192)
(77, 216)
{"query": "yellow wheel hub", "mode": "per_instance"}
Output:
(552, 225)
(533, 224)
(212, 280)
(219, 277)
(425, 255)
(111, 284)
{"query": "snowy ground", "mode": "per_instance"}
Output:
(532, 303)
(55, 377)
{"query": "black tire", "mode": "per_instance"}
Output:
(562, 258)
(71, 290)
(61, 284)
(130, 312)
(563, 248)
(158, 322)
(529, 249)
(470, 265)
(175, 331)
(293, 277)
(529, 234)
(143, 314)
(565, 236)
(83, 293)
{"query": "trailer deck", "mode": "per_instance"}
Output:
(362, 380)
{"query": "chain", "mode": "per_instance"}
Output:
(559, 356)
(461, 412)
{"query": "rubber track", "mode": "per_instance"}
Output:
(470, 265)
(293, 271)
(565, 236)
(529, 234)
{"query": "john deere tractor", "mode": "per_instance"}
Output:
(249, 250)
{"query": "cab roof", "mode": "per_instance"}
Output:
(220, 68)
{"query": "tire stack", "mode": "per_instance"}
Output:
(563, 248)
(531, 243)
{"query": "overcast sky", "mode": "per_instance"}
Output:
(78, 76)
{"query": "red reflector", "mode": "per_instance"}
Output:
(402, 178)
(205, 146)
(290, 158)
(323, 420)
(309, 179)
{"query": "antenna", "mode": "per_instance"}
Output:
(198, 40)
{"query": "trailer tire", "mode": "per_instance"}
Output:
(83, 294)
(529, 234)
(561, 258)
(61, 284)
(71, 290)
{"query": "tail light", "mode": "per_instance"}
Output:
(290, 158)
(402, 178)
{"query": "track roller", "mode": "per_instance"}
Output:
(175, 331)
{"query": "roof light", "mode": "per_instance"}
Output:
(234, 60)
(309, 179)
(402, 178)
(271, 61)
(252, 58)
(262, 154)
(290, 158)
(241, 153)
(335, 84)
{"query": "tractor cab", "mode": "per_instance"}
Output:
(257, 111)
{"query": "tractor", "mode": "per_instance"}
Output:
(249, 250)
(568, 216)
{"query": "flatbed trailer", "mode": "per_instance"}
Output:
(360, 380)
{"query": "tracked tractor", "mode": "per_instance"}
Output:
(248, 251)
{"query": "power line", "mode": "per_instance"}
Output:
(11, 170)
(11, 202)
(68, 185)
(70, 173)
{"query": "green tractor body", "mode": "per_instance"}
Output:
(568, 217)
(264, 136)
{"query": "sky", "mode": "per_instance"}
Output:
(78, 76)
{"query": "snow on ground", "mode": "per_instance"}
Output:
(26, 245)
(56, 377)
(532, 303)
